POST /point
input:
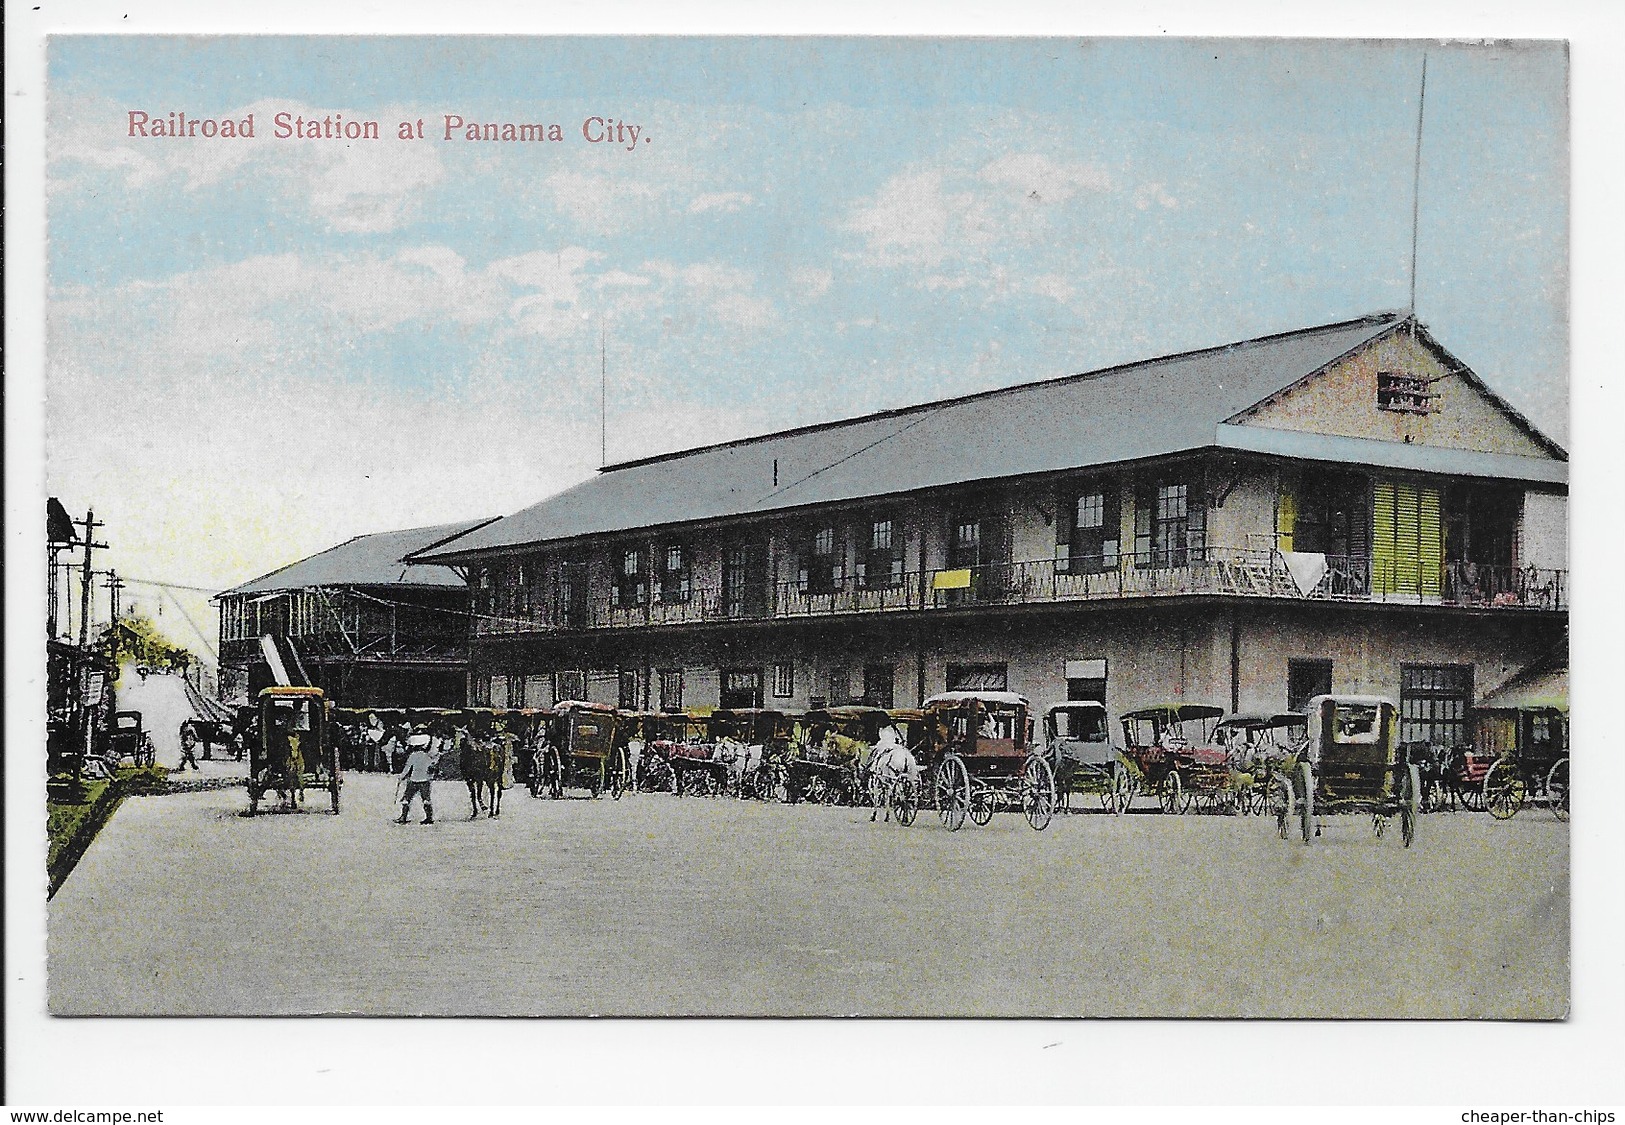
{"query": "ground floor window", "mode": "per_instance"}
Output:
(741, 687)
(879, 684)
(479, 691)
(1433, 703)
(840, 687)
(671, 689)
(1086, 680)
(627, 695)
(784, 680)
(1306, 679)
(978, 677)
(572, 685)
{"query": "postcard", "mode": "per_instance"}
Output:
(807, 527)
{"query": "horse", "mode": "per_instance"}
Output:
(891, 764)
(292, 768)
(739, 758)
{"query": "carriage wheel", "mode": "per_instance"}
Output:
(1557, 788)
(618, 774)
(1504, 790)
(981, 809)
(816, 789)
(952, 792)
(1171, 794)
(1410, 804)
(1120, 792)
(555, 774)
(1037, 793)
(905, 802)
(1279, 797)
(1306, 801)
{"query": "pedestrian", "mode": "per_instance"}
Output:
(188, 749)
(372, 751)
(417, 774)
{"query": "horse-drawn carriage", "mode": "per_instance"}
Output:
(826, 753)
(1079, 749)
(1353, 764)
(1263, 749)
(584, 750)
(127, 738)
(293, 751)
(980, 759)
(212, 733)
(1530, 745)
(1170, 746)
(754, 745)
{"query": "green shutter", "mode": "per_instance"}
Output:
(1382, 538)
(1407, 540)
(1429, 542)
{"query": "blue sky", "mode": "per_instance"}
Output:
(256, 349)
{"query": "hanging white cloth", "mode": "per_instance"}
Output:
(1307, 569)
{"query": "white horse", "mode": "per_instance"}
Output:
(891, 764)
(739, 757)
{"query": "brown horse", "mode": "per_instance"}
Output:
(483, 762)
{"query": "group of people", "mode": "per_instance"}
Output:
(417, 754)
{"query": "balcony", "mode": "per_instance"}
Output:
(1225, 572)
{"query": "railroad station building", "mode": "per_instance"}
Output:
(357, 620)
(1344, 507)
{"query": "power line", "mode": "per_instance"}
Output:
(172, 585)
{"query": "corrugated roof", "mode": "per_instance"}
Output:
(1307, 446)
(1140, 410)
(368, 560)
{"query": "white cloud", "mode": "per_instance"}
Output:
(1040, 179)
(1154, 193)
(812, 281)
(720, 201)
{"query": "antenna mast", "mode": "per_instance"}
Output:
(603, 391)
(1416, 181)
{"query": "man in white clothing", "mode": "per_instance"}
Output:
(417, 773)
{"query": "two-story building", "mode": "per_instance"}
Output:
(1345, 507)
(358, 620)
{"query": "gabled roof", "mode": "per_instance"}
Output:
(368, 560)
(1152, 408)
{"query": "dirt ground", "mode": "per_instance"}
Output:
(659, 906)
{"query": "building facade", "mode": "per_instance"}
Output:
(357, 620)
(1342, 508)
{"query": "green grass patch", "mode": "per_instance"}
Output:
(70, 826)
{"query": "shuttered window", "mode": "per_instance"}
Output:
(1407, 540)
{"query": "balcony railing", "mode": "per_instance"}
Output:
(1214, 571)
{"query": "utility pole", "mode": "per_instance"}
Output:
(114, 585)
(90, 525)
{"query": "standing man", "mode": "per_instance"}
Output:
(417, 774)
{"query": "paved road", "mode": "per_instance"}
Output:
(659, 906)
(161, 699)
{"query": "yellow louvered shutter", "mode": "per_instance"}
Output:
(1382, 538)
(1287, 521)
(1407, 540)
(1429, 542)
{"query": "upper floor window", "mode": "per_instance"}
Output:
(1170, 526)
(675, 585)
(631, 587)
(1086, 530)
(822, 568)
(882, 564)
